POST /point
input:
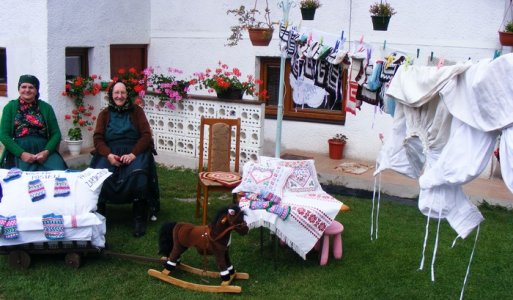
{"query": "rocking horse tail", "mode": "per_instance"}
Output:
(166, 238)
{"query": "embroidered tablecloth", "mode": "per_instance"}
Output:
(311, 213)
(77, 206)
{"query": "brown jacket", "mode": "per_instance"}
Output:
(140, 123)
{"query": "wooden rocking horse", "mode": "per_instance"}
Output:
(212, 239)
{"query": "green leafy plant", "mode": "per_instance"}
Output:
(339, 138)
(75, 134)
(382, 9)
(508, 27)
(311, 4)
(247, 19)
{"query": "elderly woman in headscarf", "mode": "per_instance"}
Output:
(124, 145)
(29, 131)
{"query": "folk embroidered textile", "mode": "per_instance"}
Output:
(228, 179)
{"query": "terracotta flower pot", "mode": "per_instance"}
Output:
(506, 38)
(336, 148)
(260, 36)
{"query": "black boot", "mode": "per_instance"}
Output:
(101, 208)
(140, 216)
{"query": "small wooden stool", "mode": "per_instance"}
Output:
(335, 229)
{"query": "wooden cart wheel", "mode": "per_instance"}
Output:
(73, 260)
(19, 260)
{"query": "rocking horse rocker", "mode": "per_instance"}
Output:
(213, 239)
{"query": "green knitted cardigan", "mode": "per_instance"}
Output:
(7, 128)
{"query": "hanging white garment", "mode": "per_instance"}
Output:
(482, 97)
(305, 92)
(416, 85)
(506, 155)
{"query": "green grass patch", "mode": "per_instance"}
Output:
(386, 268)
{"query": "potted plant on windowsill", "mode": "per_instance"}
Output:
(166, 87)
(381, 13)
(506, 36)
(260, 32)
(336, 146)
(308, 8)
(227, 82)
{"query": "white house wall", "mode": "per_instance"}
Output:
(190, 35)
(38, 32)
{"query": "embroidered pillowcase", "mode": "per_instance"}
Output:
(304, 174)
(257, 178)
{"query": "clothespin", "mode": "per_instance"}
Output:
(497, 53)
(342, 36)
(361, 45)
(407, 61)
(441, 63)
(384, 44)
(390, 59)
(418, 52)
(431, 58)
(337, 43)
(321, 40)
(310, 38)
(369, 54)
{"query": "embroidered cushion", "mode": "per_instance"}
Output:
(257, 178)
(303, 177)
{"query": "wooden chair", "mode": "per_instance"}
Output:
(218, 154)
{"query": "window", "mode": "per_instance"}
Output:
(128, 56)
(77, 62)
(3, 72)
(328, 112)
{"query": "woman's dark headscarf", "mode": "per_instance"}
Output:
(129, 104)
(27, 78)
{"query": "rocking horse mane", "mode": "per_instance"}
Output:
(166, 230)
(222, 211)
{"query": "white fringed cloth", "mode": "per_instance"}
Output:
(81, 223)
(311, 213)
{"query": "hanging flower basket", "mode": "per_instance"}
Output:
(380, 23)
(260, 36)
(308, 13)
(506, 38)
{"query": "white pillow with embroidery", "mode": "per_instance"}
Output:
(303, 177)
(257, 177)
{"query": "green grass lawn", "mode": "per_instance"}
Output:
(386, 268)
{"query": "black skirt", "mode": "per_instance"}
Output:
(138, 180)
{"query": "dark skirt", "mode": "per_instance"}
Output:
(34, 144)
(138, 180)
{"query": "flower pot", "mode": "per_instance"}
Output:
(260, 36)
(336, 149)
(506, 38)
(308, 13)
(230, 94)
(380, 23)
(74, 147)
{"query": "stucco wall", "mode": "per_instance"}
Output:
(37, 32)
(455, 30)
(191, 35)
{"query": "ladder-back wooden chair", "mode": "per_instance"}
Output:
(218, 175)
